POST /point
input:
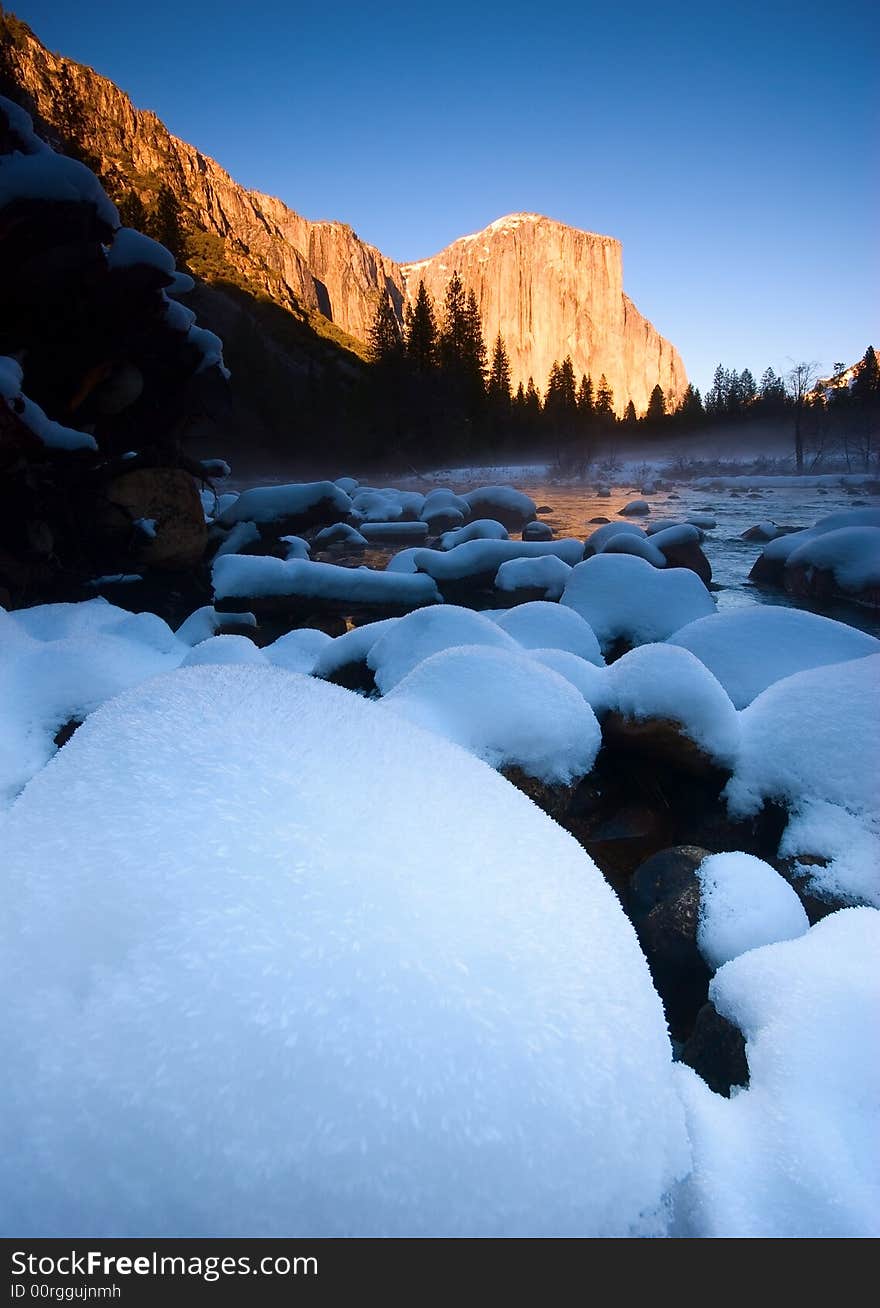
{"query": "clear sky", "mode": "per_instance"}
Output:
(733, 149)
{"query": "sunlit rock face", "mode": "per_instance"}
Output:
(551, 290)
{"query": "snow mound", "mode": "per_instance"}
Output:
(394, 531)
(780, 549)
(625, 598)
(223, 649)
(425, 632)
(206, 622)
(58, 663)
(744, 903)
(548, 574)
(750, 649)
(590, 680)
(542, 625)
(850, 554)
(131, 248)
(810, 742)
(240, 575)
(796, 1154)
(299, 650)
(241, 535)
(51, 433)
(481, 529)
(259, 1011)
(274, 503)
(511, 507)
(598, 539)
(640, 546)
(635, 508)
(352, 647)
(478, 557)
(504, 707)
(662, 681)
(339, 534)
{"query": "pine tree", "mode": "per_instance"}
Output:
(421, 333)
(386, 344)
(585, 398)
(475, 347)
(166, 223)
(656, 405)
(453, 332)
(747, 389)
(717, 398)
(132, 212)
(866, 384)
(629, 417)
(499, 375)
(604, 400)
(690, 411)
(533, 398)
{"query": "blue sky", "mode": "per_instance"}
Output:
(732, 149)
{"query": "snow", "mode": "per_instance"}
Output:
(297, 548)
(503, 706)
(52, 434)
(622, 597)
(241, 575)
(352, 647)
(682, 533)
(206, 621)
(794, 1155)
(300, 650)
(537, 531)
(783, 547)
(812, 736)
(640, 546)
(635, 508)
(504, 501)
(210, 347)
(20, 123)
(851, 554)
(347, 484)
(49, 176)
(242, 534)
(704, 521)
(443, 500)
(147, 526)
(590, 680)
(58, 662)
(387, 505)
(425, 632)
(542, 625)
(749, 649)
(477, 557)
(178, 317)
(394, 531)
(548, 574)
(480, 529)
(256, 1010)
(663, 681)
(274, 503)
(810, 742)
(339, 534)
(131, 248)
(404, 560)
(223, 649)
(598, 539)
(744, 903)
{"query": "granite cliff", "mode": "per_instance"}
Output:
(550, 289)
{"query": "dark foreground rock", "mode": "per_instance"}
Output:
(716, 1051)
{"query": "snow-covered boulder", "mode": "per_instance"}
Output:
(394, 532)
(480, 529)
(504, 707)
(344, 660)
(298, 651)
(769, 568)
(635, 509)
(259, 1009)
(537, 531)
(666, 703)
(809, 742)
(543, 625)
(843, 562)
(625, 599)
(597, 540)
(58, 663)
(428, 631)
(744, 904)
(748, 649)
(794, 1155)
(340, 536)
(511, 507)
(532, 579)
(223, 649)
(290, 508)
(277, 585)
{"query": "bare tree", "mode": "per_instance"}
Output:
(799, 382)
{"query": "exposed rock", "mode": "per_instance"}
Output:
(661, 739)
(797, 871)
(688, 555)
(554, 800)
(549, 290)
(168, 499)
(716, 1050)
(537, 531)
(664, 904)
